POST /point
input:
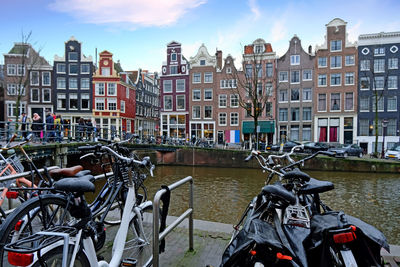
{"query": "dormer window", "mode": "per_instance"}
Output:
(105, 71)
(202, 62)
(295, 60)
(228, 70)
(259, 49)
(336, 45)
(73, 56)
(173, 57)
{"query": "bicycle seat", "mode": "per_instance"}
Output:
(314, 186)
(296, 173)
(279, 192)
(77, 185)
(65, 172)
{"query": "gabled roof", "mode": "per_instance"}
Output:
(20, 49)
(174, 43)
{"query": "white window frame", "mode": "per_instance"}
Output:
(196, 90)
(82, 98)
(340, 62)
(184, 102)
(43, 94)
(69, 69)
(97, 88)
(232, 118)
(338, 50)
(69, 101)
(397, 82)
(345, 61)
(222, 115)
(38, 94)
(220, 98)
(311, 74)
(369, 83)
(195, 76)
(69, 83)
(11, 69)
(205, 112)
(82, 83)
(112, 100)
(60, 97)
(31, 78)
(43, 79)
(295, 60)
(65, 83)
(82, 72)
(193, 112)
(345, 99)
(176, 57)
(323, 66)
(99, 100)
(73, 53)
(302, 94)
(391, 110)
(122, 105)
(345, 78)
(326, 80)
(330, 79)
(108, 89)
(176, 84)
(207, 77)
(172, 104)
(208, 90)
(340, 102)
(232, 98)
(291, 76)
(165, 82)
(11, 89)
(61, 64)
(287, 76)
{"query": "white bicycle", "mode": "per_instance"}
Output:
(72, 243)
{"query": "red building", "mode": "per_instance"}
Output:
(113, 98)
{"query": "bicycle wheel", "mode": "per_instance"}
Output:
(140, 245)
(32, 216)
(54, 258)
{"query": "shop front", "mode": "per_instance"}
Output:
(265, 132)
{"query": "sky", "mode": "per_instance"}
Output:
(137, 32)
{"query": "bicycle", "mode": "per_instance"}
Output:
(49, 247)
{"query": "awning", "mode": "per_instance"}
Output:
(265, 127)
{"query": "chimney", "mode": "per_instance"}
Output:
(218, 54)
(310, 49)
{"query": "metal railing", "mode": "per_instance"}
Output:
(157, 237)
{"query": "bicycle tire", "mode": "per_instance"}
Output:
(54, 257)
(36, 214)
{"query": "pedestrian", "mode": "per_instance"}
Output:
(24, 124)
(81, 129)
(58, 128)
(49, 127)
(89, 129)
(37, 126)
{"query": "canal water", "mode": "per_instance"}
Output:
(221, 194)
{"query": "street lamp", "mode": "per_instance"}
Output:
(384, 126)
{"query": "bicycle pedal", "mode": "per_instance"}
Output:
(129, 262)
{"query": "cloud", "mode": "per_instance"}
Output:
(354, 31)
(278, 30)
(254, 9)
(136, 13)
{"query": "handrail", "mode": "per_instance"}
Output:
(157, 237)
(23, 174)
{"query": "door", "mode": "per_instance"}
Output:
(39, 111)
(348, 137)
(364, 147)
(220, 137)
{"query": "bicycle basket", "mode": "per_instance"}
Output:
(16, 163)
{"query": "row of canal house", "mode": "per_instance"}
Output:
(324, 95)
(75, 88)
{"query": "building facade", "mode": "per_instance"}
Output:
(203, 98)
(27, 76)
(147, 104)
(72, 83)
(174, 84)
(335, 94)
(378, 89)
(295, 84)
(114, 99)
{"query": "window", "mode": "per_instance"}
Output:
(234, 101)
(321, 102)
(336, 45)
(295, 114)
(207, 112)
(349, 103)
(295, 60)
(307, 75)
(112, 89)
(20, 70)
(222, 101)
(61, 101)
(11, 106)
(392, 103)
(73, 83)
(73, 56)
(322, 62)
(99, 89)
(61, 84)
(259, 70)
(46, 78)
(307, 94)
(168, 102)
(321, 79)
(167, 86)
(269, 69)
(392, 82)
(105, 71)
(294, 132)
(249, 70)
(11, 89)
(196, 77)
(379, 65)
(283, 95)
(11, 69)
(259, 49)
(196, 95)
(228, 70)
(222, 119)
(208, 77)
(35, 95)
(336, 79)
(112, 103)
(283, 114)
(61, 68)
(73, 101)
(180, 102)
(127, 92)
(364, 127)
(379, 82)
(85, 83)
(381, 102)
(283, 76)
(391, 127)
(208, 94)
(393, 63)
(196, 112)
(364, 103)
(180, 85)
(295, 94)
(259, 89)
(73, 69)
(307, 114)
(349, 60)
(365, 64)
(268, 89)
(364, 83)
(202, 62)
(306, 132)
(295, 76)
(380, 51)
(85, 100)
(234, 119)
(173, 69)
(34, 78)
(99, 103)
(336, 62)
(335, 101)
(248, 109)
(46, 93)
(85, 68)
(349, 78)
(173, 57)
(268, 109)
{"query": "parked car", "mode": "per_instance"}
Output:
(393, 153)
(289, 145)
(272, 147)
(347, 150)
(313, 147)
